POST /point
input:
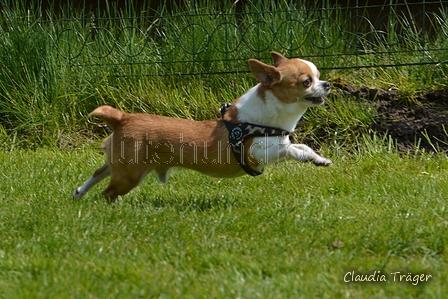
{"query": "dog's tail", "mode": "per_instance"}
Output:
(109, 114)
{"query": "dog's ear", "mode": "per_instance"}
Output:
(266, 74)
(278, 58)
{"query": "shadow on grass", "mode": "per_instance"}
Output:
(199, 203)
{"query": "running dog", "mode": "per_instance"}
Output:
(252, 133)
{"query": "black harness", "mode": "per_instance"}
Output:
(239, 133)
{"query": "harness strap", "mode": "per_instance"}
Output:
(239, 133)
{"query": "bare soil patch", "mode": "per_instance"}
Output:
(423, 118)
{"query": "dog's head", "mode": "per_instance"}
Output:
(291, 80)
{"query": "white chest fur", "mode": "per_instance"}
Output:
(268, 111)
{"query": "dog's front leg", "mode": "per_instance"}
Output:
(301, 152)
(265, 152)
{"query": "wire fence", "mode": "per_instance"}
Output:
(193, 37)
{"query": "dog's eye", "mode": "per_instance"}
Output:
(307, 82)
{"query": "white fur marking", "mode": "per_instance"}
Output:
(271, 112)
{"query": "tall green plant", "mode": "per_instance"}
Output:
(55, 71)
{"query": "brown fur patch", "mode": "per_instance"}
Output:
(141, 143)
(291, 87)
(232, 113)
(261, 92)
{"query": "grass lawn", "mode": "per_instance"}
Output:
(297, 231)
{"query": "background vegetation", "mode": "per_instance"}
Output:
(58, 66)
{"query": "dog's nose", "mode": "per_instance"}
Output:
(326, 85)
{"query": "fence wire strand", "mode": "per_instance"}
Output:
(203, 40)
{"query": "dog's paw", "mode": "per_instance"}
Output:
(321, 161)
(77, 194)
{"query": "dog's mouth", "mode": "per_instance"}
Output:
(316, 100)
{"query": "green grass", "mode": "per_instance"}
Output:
(293, 232)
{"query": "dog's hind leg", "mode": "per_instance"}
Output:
(98, 175)
(118, 186)
(162, 174)
(121, 182)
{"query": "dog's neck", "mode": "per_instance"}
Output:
(261, 106)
